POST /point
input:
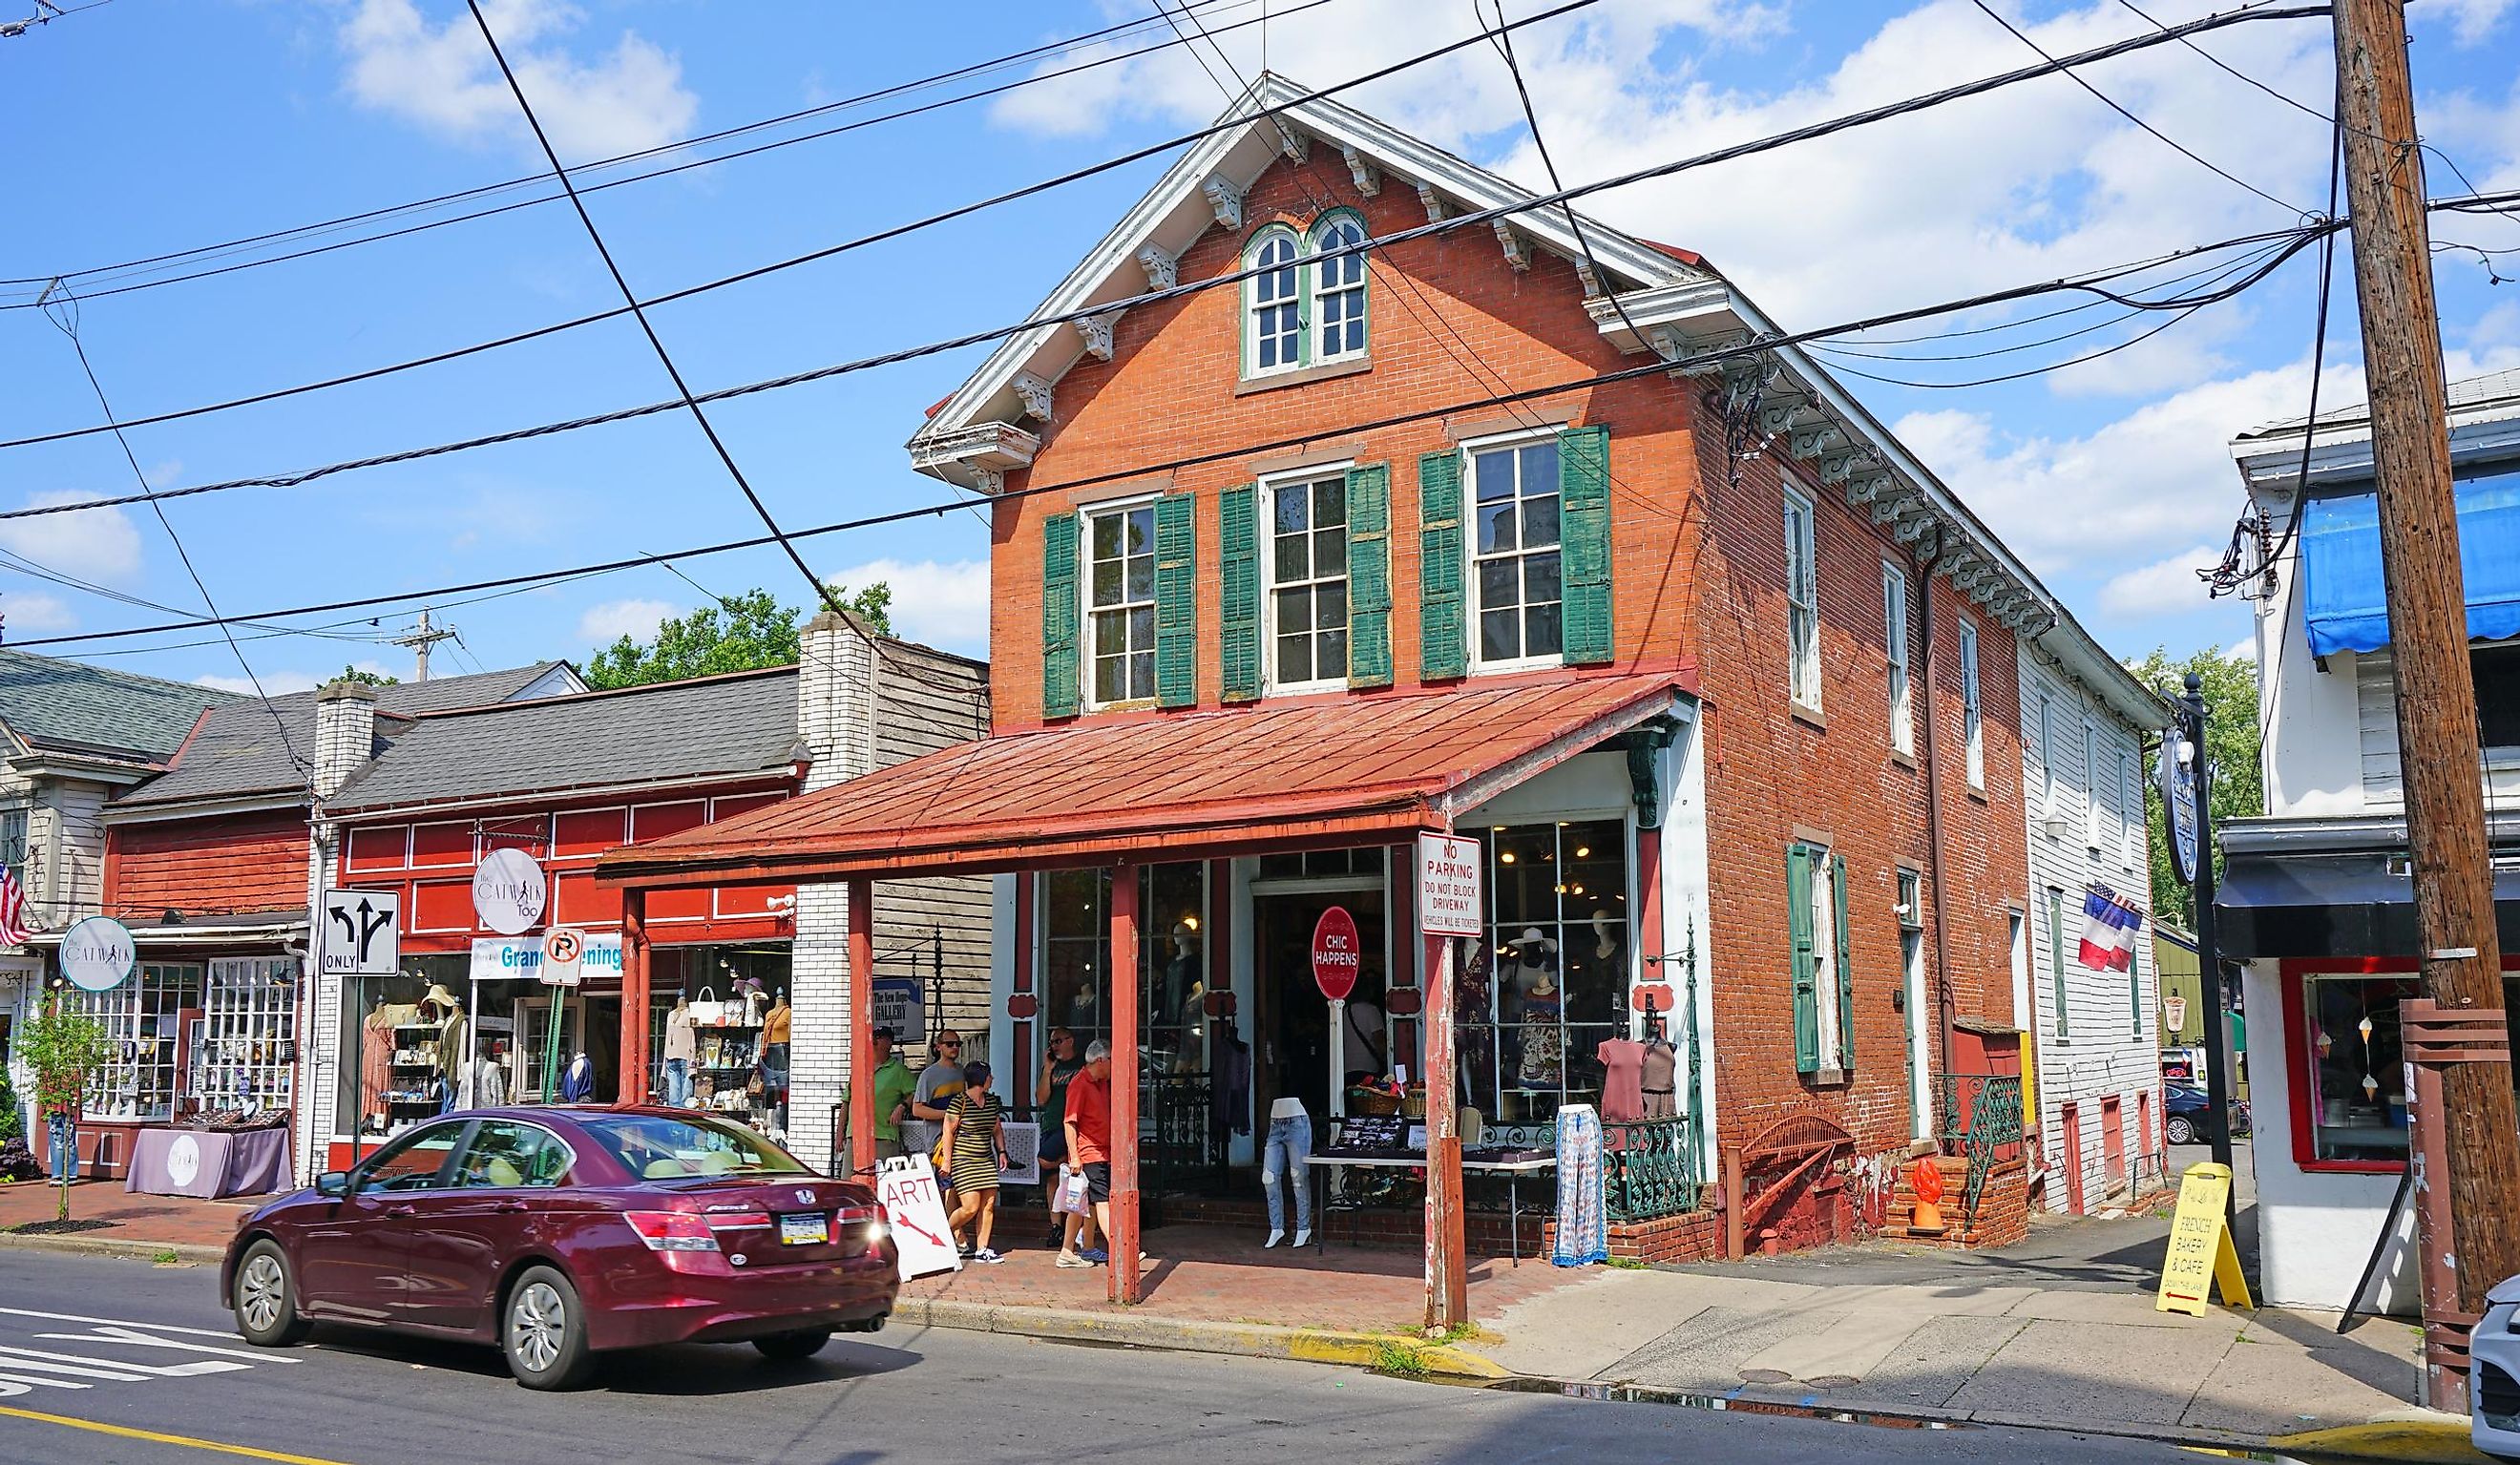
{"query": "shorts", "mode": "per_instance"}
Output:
(1098, 1179)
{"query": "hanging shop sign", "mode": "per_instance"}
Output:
(509, 892)
(1448, 898)
(906, 1185)
(98, 954)
(1336, 953)
(2201, 1255)
(2177, 779)
(563, 955)
(362, 933)
(513, 958)
(2174, 1013)
(896, 1004)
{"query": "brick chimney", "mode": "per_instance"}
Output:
(835, 698)
(345, 734)
(835, 712)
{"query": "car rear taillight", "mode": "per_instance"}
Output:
(738, 1221)
(671, 1230)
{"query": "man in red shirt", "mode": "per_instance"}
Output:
(1088, 1147)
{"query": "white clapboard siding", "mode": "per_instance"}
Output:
(2375, 698)
(927, 701)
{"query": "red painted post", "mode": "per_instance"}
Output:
(1448, 1295)
(861, 902)
(631, 1089)
(1123, 976)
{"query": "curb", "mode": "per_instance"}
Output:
(1183, 1335)
(130, 1251)
(2423, 1436)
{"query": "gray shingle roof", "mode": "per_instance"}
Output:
(731, 724)
(240, 753)
(71, 706)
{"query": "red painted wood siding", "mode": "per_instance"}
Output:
(240, 862)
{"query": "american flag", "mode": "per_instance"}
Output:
(13, 907)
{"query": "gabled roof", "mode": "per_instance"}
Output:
(733, 725)
(237, 751)
(60, 706)
(1317, 771)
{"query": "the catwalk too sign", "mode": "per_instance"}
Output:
(1335, 953)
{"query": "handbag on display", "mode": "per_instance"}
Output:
(707, 1009)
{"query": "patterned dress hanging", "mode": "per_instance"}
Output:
(1583, 1200)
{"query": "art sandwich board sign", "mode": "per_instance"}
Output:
(906, 1186)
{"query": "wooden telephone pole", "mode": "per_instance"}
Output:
(2437, 736)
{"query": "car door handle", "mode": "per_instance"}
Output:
(511, 1208)
(402, 1210)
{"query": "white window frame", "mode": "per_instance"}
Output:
(1802, 600)
(1317, 289)
(1269, 488)
(1300, 271)
(2091, 785)
(1827, 1024)
(2130, 808)
(1088, 640)
(2046, 756)
(1471, 559)
(1972, 708)
(1894, 648)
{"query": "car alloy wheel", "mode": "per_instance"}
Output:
(2181, 1130)
(540, 1318)
(265, 1311)
(545, 1335)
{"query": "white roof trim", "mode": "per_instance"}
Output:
(1177, 211)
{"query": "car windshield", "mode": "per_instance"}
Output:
(658, 1147)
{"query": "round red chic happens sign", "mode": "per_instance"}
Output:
(1336, 949)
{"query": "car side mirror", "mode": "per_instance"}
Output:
(332, 1185)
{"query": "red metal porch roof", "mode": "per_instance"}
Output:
(1307, 773)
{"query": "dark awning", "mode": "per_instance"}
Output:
(2331, 903)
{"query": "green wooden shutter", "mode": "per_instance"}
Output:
(1845, 967)
(1060, 685)
(1176, 600)
(1443, 637)
(1368, 575)
(1798, 921)
(1237, 520)
(1584, 529)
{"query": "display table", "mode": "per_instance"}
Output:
(1513, 1170)
(210, 1163)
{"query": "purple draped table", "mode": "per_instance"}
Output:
(210, 1163)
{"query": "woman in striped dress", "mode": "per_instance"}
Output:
(975, 1150)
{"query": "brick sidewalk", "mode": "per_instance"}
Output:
(134, 1219)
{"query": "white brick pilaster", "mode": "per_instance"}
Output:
(836, 699)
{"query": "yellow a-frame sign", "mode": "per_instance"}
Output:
(2201, 1255)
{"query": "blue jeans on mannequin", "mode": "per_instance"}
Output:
(678, 1083)
(1285, 1159)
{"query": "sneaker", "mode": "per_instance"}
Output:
(1302, 1236)
(987, 1255)
(1274, 1237)
(1095, 1257)
(1070, 1259)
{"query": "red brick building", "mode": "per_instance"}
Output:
(1720, 676)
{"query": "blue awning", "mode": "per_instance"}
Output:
(2347, 607)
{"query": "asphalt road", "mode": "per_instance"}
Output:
(88, 1341)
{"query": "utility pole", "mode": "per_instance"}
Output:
(2217, 1083)
(2446, 832)
(420, 638)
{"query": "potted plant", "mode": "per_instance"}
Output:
(60, 1048)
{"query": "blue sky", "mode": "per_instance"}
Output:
(150, 125)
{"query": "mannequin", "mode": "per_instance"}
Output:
(1622, 1063)
(1471, 1025)
(1285, 1160)
(577, 1083)
(1543, 1045)
(1661, 1067)
(774, 1057)
(681, 1050)
(490, 1078)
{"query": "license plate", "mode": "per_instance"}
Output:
(811, 1229)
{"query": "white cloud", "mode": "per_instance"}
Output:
(2471, 21)
(282, 683)
(94, 544)
(443, 77)
(27, 610)
(2166, 587)
(602, 625)
(943, 603)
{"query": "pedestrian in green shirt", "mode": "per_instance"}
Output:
(894, 1085)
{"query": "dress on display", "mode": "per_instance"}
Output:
(1544, 1045)
(1661, 1064)
(1623, 1063)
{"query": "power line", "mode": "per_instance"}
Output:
(46, 12)
(1808, 132)
(66, 317)
(2180, 148)
(314, 230)
(2301, 238)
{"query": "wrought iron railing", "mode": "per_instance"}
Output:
(1649, 1169)
(1980, 1118)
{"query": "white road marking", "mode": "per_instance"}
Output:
(155, 1328)
(115, 1333)
(11, 1388)
(184, 1370)
(27, 1361)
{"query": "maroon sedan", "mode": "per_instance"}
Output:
(560, 1233)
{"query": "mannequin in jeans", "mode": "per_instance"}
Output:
(1285, 1159)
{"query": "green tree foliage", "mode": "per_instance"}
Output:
(739, 634)
(372, 679)
(2232, 741)
(59, 1050)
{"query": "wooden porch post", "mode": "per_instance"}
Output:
(861, 902)
(1123, 1241)
(631, 1089)
(1448, 1292)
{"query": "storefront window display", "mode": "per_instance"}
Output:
(734, 999)
(144, 1023)
(1554, 969)
(2353, 1086)
(1172, 963)
(244, 1047)
(405, 1045)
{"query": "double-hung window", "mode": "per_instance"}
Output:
(1802, 603)
(1894, 645)
(1308, 582)
(13, 843)
(1304, 304)
(1277, 293)
(1515, 570)
(1815, 923)
(1120, 603)
(1339, 289)
(1972, 708)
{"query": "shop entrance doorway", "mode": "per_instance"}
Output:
(1299, 1055)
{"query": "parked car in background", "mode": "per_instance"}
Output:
(2494, 1374)
(561, 1233)
(2184, 1107)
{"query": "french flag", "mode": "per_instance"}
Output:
(2108, 932)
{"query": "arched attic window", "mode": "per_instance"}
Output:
(1339, 287)
(1273, 326)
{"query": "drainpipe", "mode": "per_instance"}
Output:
(1922, 560)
